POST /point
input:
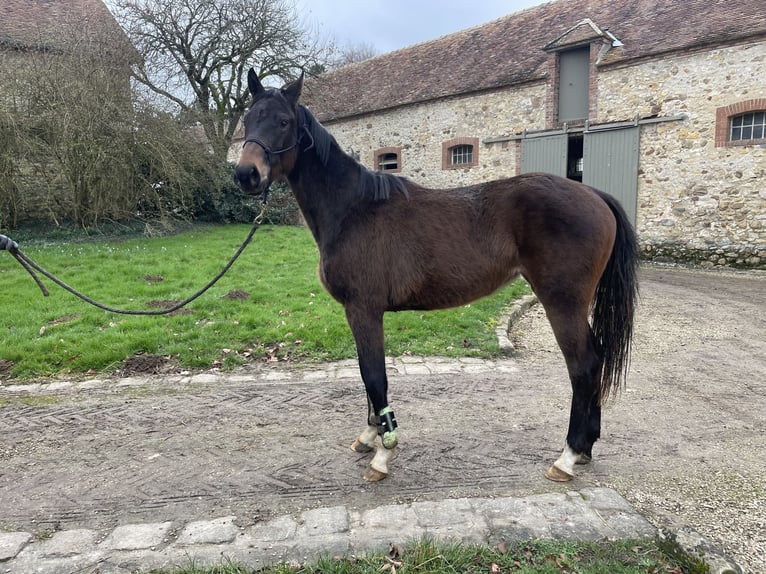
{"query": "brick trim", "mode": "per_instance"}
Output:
(449, 144)
(386, 150)
(517, 155)
(723, 115)
(595, 50)
(553, 90)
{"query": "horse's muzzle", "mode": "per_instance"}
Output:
(249, 178)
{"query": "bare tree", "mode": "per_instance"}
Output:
(76, 146)
(196, 54)
(352, 54)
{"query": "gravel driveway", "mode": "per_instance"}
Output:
(685, 442)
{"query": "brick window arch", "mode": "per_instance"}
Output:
(742, 123)
(460, 153)
(388, 159)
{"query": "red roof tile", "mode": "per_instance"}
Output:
(509, 50)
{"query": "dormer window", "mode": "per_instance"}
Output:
(572, 72)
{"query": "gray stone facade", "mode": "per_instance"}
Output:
(696, 200)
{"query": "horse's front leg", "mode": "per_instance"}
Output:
(380, 433)
(365, 442)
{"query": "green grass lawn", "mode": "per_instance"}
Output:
(523, 557)
(270, 303)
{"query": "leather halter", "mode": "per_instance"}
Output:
(302, 129)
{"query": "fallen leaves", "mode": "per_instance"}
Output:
(271, 353)
(393, 559)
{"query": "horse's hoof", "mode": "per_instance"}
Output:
(557, 475)
(360, 447)
(372, 475)
(584, 459)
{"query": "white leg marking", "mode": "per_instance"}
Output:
(382, 456)
(567, 460)
(367, 436)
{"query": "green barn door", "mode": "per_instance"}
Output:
(610, 163)
(547, 154)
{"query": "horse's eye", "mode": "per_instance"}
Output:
(284, 123)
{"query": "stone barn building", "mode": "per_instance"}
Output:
(661, 103)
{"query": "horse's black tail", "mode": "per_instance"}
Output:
(615, 303)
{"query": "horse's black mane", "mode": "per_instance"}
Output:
(374, 184)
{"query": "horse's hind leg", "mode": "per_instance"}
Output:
(367, 328)
(577, 344)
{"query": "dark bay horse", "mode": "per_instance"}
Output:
(388, 244)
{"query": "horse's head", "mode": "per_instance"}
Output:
(272, 134)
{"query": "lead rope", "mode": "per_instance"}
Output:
(9, 245)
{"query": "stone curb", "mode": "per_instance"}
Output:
(588, 514)
(507, 320)
(407, 365)
(693, 543)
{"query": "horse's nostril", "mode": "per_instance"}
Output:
(246, 176)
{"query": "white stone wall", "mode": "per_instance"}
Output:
(421, 129)
(708, 202)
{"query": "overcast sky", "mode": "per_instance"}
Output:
(388, 25)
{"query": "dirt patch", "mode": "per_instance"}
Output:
(162, 303)
(153, 278)
(64, 319)
(145, 364)
(167, 304)
(5, 367)
(237, 294)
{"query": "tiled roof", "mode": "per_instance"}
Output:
(33, 23)
(509, 50)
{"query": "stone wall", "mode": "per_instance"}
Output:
(421, 129)
(696, 201)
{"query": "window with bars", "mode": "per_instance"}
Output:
(388, 162)
(461, 155)
(747, 127)
(388, 159)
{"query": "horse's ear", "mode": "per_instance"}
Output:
(254, 83)
(292, 91)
